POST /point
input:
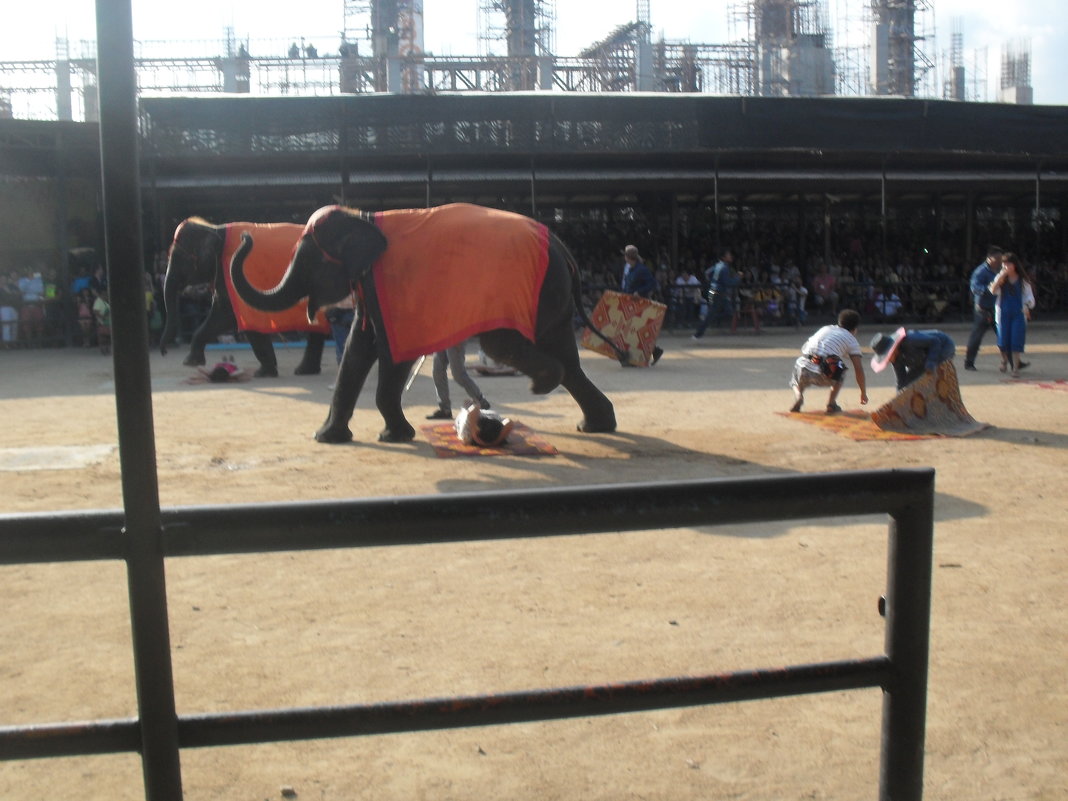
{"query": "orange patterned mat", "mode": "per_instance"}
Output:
(521, 442)
(853, 424)
(1060, 384)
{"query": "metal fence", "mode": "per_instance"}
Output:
(907, 496)
(143, 535)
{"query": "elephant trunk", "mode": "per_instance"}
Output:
(290, 290)
(172, 285)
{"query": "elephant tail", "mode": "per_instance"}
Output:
(576, 293)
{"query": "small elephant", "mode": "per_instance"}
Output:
(427, 279)
(201, 253)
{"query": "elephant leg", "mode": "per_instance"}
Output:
(312, 362)
(598, 414)
(220, 318)
(391, 380)
(356, 363)
(512, 348)
(264, 352)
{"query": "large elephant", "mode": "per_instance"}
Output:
(427, 279)
(201, 253)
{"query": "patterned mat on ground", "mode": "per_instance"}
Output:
(853, 424)
(1059, 384)
(931, 405)
(633, 323)
(521, 442)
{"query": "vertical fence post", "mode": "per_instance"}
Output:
(908, 614)
(133, 390)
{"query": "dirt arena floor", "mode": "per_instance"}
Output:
(359, 626)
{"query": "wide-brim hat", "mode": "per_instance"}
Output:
(885, 347)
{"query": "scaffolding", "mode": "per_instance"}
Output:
(776, 48)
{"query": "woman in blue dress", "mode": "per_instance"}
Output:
(1014, 298)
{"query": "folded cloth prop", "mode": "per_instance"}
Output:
(931, 405)
(632, 322)
(264, 267)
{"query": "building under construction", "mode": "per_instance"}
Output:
(779, 48)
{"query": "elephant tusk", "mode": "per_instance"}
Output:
(414, 372)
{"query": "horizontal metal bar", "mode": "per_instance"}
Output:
(253, 528)
(69, 739)
(523, 707)
(243, 728)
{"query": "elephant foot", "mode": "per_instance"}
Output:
(597, 426)
(307, 370)
(192, 360)
(266, 372)
(545, 381)
(399, 434)
(333, 435)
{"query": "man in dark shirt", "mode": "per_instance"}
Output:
(912, 353)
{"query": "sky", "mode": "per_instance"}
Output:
(450, 28)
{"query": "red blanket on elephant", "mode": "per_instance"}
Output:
(266, 264)
(454, 271)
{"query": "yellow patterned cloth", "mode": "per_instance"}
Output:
(632, 322)
(930, 406)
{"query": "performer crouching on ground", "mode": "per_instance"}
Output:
(912, 353)
(823, 361)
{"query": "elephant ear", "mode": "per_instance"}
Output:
(362, 247)
(346, 236)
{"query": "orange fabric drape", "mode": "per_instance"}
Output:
(266, 264)
(454, 271)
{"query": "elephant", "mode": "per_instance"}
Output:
(427, 279)
(200, 254)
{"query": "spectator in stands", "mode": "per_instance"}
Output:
(102, 317)
(825, 291)
(10, 300)
(887, 305)
(686, 296)
(796, 298)
(85, 317)
(31, 312)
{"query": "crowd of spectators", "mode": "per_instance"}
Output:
(773, 285)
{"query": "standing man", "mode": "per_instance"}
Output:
(823, 359)
(639, 280)
(721, 284)
(453, 360)
(983, 303)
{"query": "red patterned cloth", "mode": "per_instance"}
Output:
(632, 322)
(930, 405)
(451, 272)
(266, 264)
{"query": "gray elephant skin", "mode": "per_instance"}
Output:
(412, 271)
(198, 255)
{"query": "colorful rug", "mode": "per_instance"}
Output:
(1058, 384)
(633, 323)
(853, 424)
(521, 442)
(929, 406)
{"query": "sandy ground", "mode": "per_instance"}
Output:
(359, 626)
